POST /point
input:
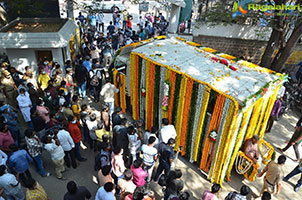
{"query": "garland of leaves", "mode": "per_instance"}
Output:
(156, 95)
(191, 120)
(176, 98)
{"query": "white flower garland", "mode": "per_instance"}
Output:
(201, 90)
(224, 114)
(225, 167)
(161, 93)
(142, 85)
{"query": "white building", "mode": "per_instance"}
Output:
(28, 42)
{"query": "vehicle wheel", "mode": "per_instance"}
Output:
(115, 8)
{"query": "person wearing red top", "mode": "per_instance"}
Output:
(75, 133)
(6, 138)
(139, 174)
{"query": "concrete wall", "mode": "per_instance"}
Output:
(233, 31)
(20, 58)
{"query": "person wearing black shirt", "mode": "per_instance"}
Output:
(81, 74)
(116, 119)
(38, 123)
(75, 192)
(166, 156)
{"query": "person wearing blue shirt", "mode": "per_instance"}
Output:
(87, 63)
(106, 192)
(19, 162)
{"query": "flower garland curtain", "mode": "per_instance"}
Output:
(147, 99)
(180, 110)
(176, 99)
(232, 135)
(200, 96)
(203, 111)
(142, 87)
(214, 126)
(191, 123)
(115, 72)
(225, 142)
(167, 77)
(240, 138)
(135, 90)
(139, 89)
(263, 111)
(161, 93)
(123, 92)
(174, 86)
(222, 125)
(156, 96)
(185, 115)
(254, 119)
(150, 73)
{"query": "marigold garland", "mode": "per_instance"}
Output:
(150, 91)
(204, 107)
(205, 160)
(219, 143)
(123, 93)
(174, 113)
(232, 133)
(135, 90)
(172, 78)
(115, 72)
(240, 137)
(228, 127)
(132, 82)
(157, 99)
(185, 116)
(254, 118)
(180, 110)
(263, 111)
(147, 95)
(191, 123)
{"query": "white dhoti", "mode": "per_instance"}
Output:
(26, 114)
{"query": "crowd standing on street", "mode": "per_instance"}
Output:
(57, 120)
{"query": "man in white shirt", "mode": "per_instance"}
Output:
(167, 131)
(106, 192)
(11, 186)
(149, 156)
(108, 91)
(68, 147)
(57, 154)
(100, 21)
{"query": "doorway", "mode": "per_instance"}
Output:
(43, 55)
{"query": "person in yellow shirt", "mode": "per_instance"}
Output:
(34, 190)
(43, 79)
(75, 107)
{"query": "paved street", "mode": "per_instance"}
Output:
(195, 181)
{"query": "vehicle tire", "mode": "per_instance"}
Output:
(115, 8)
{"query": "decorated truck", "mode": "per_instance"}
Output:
(214, 100)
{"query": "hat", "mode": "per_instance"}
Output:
(69, 69)
(5, 73)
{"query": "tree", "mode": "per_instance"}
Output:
(31, 8)
(286, 27)
(287, 30)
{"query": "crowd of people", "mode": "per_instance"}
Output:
(57, 120)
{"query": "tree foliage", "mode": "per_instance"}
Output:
(31, 8)
(286, 26)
